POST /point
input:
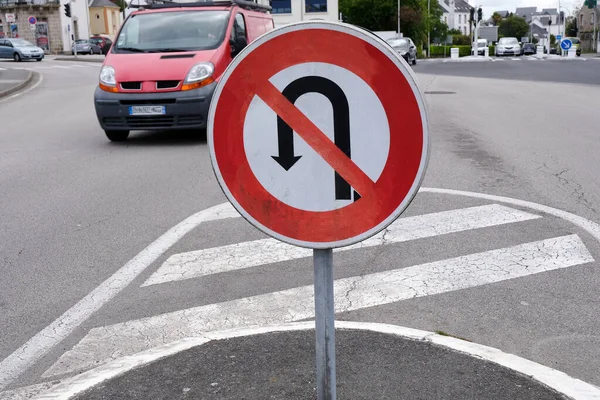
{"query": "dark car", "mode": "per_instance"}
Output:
(528, 49)
(103, 42)
(406, 47)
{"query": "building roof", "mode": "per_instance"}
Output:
(526, 12)
(551, 11)
(103, 3)
(541, 32)
(503, 13)
(459, 5)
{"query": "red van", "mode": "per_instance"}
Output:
(162, 69)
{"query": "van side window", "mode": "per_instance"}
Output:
(239, 27)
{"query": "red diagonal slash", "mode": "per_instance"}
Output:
(316, 139)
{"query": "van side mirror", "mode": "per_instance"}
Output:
(237, 45)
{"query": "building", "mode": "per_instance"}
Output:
(289, 11)
(105, 18)
(456, 14)
(52, 30)
(585, 27)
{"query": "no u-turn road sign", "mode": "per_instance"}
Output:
(318, 134)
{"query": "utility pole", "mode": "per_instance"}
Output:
(428, 27)
(399, 35)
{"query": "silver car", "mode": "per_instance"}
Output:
(85, 46)
(508, 46)
(20, 49)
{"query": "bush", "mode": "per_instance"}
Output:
(438, 51)
(461, 40)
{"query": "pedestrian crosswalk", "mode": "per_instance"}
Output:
(381, 286)
(49, 65)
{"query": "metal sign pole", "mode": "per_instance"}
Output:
(324, 324)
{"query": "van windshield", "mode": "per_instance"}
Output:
(172, 31)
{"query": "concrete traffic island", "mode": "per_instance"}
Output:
(13, 80)
(374, 361)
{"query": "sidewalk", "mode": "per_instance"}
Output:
(82, 58)
(374, 361)
(13, 80)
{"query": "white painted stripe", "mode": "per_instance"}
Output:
(267, 251)
(61, 66)
(28, 392)
(105, 343)
(557, 380)
(589, 226)
(36, 347)
(2, 69)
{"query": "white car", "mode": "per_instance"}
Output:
(508, 46)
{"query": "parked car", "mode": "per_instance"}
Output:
(20, 49)
(162, 69)
(528, 49)
(406, 47)
(103, 42)
(481, 45)
(508, 46)
(576, 45)
(86, 46)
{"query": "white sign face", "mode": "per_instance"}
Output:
(309, 183)
(10, 17)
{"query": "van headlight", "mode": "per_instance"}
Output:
(108, 82)
(199, 75)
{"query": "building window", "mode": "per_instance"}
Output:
(465, 29)
(445, 19)
(281, 7)
(459, 19)
(315, 6)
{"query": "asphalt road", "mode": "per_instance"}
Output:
(76, 208)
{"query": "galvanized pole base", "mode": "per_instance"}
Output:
(324, 324)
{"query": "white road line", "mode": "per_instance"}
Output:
(516, 59)
(559, 381)
(2, 69)
(267, 251)
(107, 343)
(36, 347)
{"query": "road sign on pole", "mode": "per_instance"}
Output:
(566, 44)
(32, 20)
(318, 149)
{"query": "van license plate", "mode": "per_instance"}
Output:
(147, 110)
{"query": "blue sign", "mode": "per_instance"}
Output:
(32, 20)
(558, 37)
(566, 44)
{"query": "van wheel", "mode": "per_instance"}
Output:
(17, 57)
(117, 136)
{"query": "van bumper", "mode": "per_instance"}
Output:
(183, 109)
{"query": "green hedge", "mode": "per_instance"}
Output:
(438, 51)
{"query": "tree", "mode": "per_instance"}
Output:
(121, 3)
(381, 15)
(513, 26)
(571, 26)
(496, 18)
(455, 32)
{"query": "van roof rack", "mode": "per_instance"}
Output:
(245, 4)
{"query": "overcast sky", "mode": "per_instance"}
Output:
(489, 6)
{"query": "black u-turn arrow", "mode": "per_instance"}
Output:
(341, 126)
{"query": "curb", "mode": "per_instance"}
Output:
(18, 87)
(549, 377)
(78, 59)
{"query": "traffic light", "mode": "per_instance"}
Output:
(472, 14)
(68, 10)
(479, 14)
